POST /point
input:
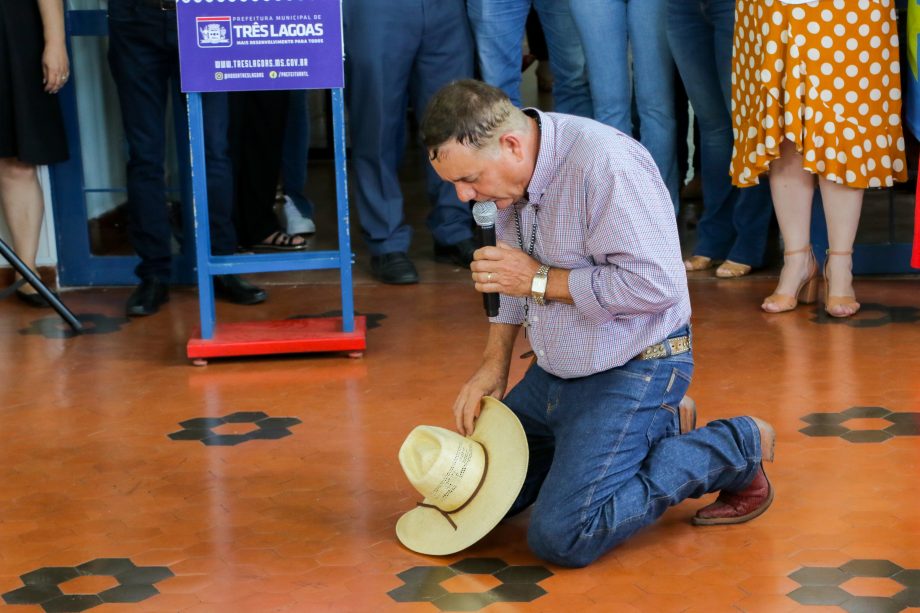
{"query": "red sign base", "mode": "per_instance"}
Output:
(285, 336)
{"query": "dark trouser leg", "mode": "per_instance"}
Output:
(445, 55)
(259, 122)
(378, 66)
(142, 64)
(536, 40)
(296, 152)
(216, 113)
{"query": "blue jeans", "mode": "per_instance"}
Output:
(498, 27)
(432, 47)
(296, 152)
(735, 221)
(606, 458)
(144, 58)
(608, 29)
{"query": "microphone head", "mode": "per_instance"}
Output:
(484, 213)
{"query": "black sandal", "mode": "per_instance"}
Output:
(281, 241)
(31, 299)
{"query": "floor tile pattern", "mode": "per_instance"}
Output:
(305, 522)
(862, 424)
(263, 427)
(45, 586)
(511, 584)
(859, 586)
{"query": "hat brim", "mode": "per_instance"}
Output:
(498, 429)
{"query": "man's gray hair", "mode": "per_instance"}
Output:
(470, 112)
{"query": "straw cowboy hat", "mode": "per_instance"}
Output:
(468, 483)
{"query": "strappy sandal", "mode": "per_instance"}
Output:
(780, 303)
(281, 241)
(838, 306)
(732, 270)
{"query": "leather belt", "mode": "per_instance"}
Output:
(668, 347)
(163, 5)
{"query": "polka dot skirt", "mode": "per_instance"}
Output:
(824, 75)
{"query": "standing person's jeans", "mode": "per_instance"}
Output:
(144, 58)
(735, 221)
(608, 30)
(498, 27)
(606, 458)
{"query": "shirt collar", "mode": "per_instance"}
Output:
(545, 168)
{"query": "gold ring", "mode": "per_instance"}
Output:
(489, 278)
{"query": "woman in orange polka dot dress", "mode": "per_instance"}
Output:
(816, 92)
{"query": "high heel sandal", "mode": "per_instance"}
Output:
(838, 306)
(780, 303)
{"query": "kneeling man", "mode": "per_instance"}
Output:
(589, 264)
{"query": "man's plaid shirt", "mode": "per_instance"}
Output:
(603, 212)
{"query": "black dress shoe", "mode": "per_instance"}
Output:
(234, 289)
(33, 300)
(147, 297)
(394, 268)
(460, 253)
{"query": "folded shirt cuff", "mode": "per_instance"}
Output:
(581, 287)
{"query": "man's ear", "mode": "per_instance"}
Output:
(512, 143)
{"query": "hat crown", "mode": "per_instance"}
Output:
(445, 467)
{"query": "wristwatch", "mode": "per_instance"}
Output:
(538, 285)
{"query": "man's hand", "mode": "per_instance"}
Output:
(490, 380)
(503, 270)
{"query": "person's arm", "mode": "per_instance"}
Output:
(55, 65)
(632, 238)
(509, 271)
(491, 379)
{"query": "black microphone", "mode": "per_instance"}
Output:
(484, 213)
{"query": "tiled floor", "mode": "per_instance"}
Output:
(110, 493)
(131, 478)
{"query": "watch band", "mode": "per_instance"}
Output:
(538, 285)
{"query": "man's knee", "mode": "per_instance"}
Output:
(559, 543)
(567, 542)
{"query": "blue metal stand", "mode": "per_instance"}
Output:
(210, 265)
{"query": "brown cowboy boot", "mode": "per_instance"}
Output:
(745, 505)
